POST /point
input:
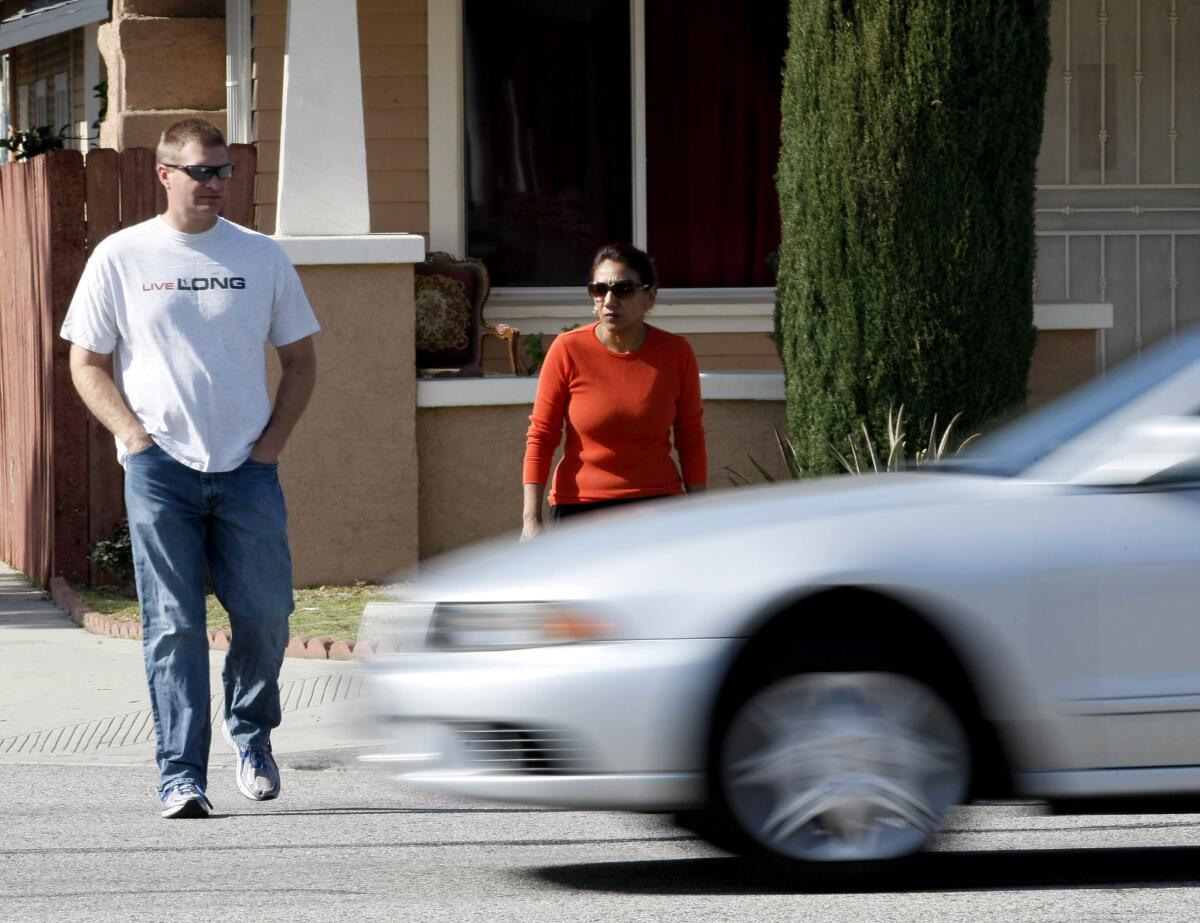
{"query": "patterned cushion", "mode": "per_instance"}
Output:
(443, 314)
(449, 296)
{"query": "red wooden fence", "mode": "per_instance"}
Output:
(60, 485)
(41, 241)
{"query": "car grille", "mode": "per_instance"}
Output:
(519, 749)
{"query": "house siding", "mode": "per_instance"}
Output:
(392, 42)
(1118, 209)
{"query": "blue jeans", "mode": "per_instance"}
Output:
(235, 522)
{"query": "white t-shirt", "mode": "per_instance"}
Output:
(187, 318)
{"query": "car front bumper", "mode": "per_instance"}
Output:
(619, 725)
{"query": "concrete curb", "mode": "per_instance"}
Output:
(322, 648)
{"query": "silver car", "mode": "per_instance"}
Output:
(818, 671)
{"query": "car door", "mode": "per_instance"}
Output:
(1120, 591)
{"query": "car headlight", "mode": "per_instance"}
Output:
(498, 626)
(395, 624)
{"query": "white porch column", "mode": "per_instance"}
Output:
(322, 147)
(5, 95)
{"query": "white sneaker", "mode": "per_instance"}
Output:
(256, 774)
(185, 799)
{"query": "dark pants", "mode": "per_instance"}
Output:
(559, 511)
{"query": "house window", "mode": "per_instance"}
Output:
(23, 107)
(62, 104)
(575, 137)
(548, 132)
(40, 104)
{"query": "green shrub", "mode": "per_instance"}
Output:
(862, 455)
(24, 145)
(114, 553)
(865, 458)
(534, 352)
(906, 181)
(787, 452)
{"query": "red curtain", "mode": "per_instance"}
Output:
(548, 136)
(713, 86)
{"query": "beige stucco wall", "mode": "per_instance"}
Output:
(470, 457)
(1062, 360)
(470, 464)
(350, 469)
(392, 39)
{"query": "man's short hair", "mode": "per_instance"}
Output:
(181, 134)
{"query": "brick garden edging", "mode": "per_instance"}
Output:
(322, 648)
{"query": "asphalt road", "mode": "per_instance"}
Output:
(85, 843)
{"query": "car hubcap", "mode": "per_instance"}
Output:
(844, 766)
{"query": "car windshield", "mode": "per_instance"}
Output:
(1012, 450)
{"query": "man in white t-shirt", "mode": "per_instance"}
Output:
(169, 327)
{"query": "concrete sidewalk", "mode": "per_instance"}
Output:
(68, 696)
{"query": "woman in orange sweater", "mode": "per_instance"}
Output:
(623, 388)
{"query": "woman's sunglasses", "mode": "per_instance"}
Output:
(622, 288)
(202, 173)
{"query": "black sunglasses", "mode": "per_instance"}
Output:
(202, 173)
(622, 288)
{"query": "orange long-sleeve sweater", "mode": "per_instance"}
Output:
(620, 410)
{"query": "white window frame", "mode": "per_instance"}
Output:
(548, 309)
(5, 115)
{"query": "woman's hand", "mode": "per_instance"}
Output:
(531, 514)
(530, 529)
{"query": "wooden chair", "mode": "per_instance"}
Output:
(451, 295)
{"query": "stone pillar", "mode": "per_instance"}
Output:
(322, 147)
(166, 61)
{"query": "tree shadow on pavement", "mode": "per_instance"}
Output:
(1007, 870)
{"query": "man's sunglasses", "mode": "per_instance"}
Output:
(202, 173)
(622, 288)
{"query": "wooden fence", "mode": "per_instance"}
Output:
(60, 485)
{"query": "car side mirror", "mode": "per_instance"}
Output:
(1158, 450)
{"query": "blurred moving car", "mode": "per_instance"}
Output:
(818, 671)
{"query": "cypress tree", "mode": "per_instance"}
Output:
(910, 134)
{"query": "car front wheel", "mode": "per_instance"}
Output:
(841, 767)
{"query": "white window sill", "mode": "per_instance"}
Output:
(360, 250)
(508, 390)
(1072, 316)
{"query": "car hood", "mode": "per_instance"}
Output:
(744, 540)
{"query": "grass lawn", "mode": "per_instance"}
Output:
(334, 611)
